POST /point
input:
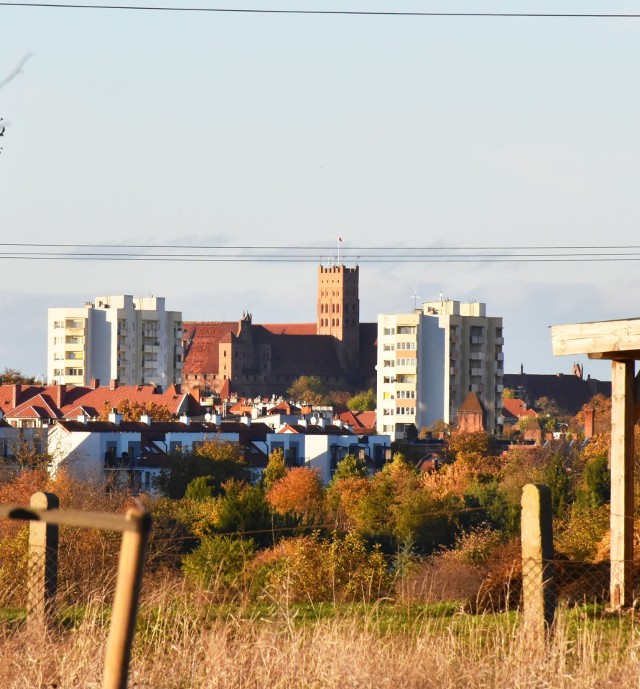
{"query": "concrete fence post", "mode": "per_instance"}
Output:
(538, 590)
(42, 563)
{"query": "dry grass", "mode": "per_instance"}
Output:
(180, 644)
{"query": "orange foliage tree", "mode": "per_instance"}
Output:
(132, 411)
(299, 493)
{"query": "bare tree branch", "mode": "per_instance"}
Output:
(16, 71)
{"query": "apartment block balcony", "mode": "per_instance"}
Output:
(151, 348)
(74, 346)
(478, 339)
(478, 356)
(500, 356)
(476, 372)
(499, 340)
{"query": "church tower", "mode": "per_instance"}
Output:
(338, 309)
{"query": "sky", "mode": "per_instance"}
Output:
(141, 128)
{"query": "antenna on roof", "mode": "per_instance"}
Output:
(415, 296)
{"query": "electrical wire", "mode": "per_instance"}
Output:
(312, 254)
(370, 13)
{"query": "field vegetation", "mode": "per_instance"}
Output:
(400, 578)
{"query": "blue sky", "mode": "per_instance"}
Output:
(235, 129)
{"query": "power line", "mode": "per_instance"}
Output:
(314, 254)
(370, 13)
(288, 247)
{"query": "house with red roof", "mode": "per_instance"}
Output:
(37, 406)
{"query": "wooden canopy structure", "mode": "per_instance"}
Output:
(618, 341)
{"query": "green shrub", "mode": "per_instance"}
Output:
(219, 561)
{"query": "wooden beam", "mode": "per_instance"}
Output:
(631, 355)
(597, 337)
(622, 461)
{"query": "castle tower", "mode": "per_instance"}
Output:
(338, 309)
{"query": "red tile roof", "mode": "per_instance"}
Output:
(93, 401)
(516, 408)
(201, 340)
(291, 328)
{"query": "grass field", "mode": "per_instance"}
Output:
(184, 640)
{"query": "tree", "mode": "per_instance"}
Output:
(309, 389)
(243, 508)
(350, 467)
(11, 376)
(298, 493)
(471, 450)
(217, 460)
(276, 468)
(132, 411)
(601, 407)
(363, 401)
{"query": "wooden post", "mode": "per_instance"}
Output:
(125, 604)
(43, 563)
(538, 590)
(622, 456)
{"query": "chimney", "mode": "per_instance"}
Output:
(184, 419)
(82, 418)
(246, 420)
(114, 417)
(113, 383)
(589, 422)
(15, 394)
(95, 383)
(145, 419)
(59, 395)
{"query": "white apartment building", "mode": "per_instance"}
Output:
(132, 339)
(429, 361)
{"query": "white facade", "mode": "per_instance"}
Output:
(429, 360)
(133, 340)
(323, 451)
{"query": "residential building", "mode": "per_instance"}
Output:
(133, 453)
(429, 360)
(39, 406)
(320, 446)
(134, 340)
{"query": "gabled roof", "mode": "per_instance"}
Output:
(93, 401)
(284, 408)
(360, 421)
(38, 406)
(313, 429)
(516, 408)
(201, 340)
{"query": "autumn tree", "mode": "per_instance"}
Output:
(218, 460)
(601, 407)
(350, 466)
(12, 376)
(363, 401)
(132, 411)
(471, 449)
(276, 468)
(298, 493)
(309, 389)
